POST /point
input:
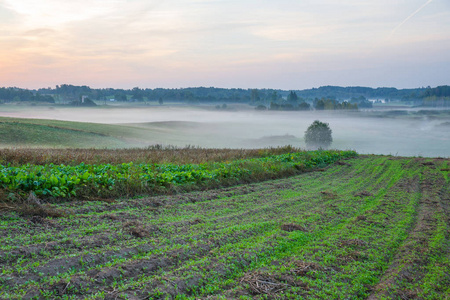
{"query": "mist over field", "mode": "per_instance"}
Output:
(154, 149)
(361, 131)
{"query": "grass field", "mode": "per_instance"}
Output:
(372, 227)
(18, 132)
(43, 133)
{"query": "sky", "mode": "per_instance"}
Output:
(283, 44)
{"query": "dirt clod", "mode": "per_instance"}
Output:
(111, 217)
(361, 218)
(292, 227)
(37, 220)
(353, 242)
(136, 229)
(364, 194)
(351, 257)
(329, 194)
(196, 221)
(302, 267)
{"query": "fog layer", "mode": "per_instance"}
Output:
(405, 136)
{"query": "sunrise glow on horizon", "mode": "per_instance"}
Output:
(283, 44)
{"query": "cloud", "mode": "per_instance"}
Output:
(202, 39)
(55, 12)
(39, 32)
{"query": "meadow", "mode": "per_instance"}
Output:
(364, 227)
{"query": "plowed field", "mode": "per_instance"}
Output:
(373, 227)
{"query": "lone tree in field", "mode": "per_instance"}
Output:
(318, 135)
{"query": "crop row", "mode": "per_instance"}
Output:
(350, 232)
(107, 179)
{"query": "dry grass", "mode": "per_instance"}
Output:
(30, 206)
(351, 257)
(353, 242)
(33, 210)
(302, 268)
(260, 283)
(155, 154)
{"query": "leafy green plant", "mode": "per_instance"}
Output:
(65, 181)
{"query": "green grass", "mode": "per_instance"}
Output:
(376, 226)
(42, 133)
(17, 132)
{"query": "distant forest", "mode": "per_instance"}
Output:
(326, 97)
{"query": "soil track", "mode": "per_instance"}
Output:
(371, 228)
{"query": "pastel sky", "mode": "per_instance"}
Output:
(287, 44)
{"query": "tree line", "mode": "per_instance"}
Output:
(11, 94)
(326, 97)
(437, 97)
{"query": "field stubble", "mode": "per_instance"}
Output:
(154, 154)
